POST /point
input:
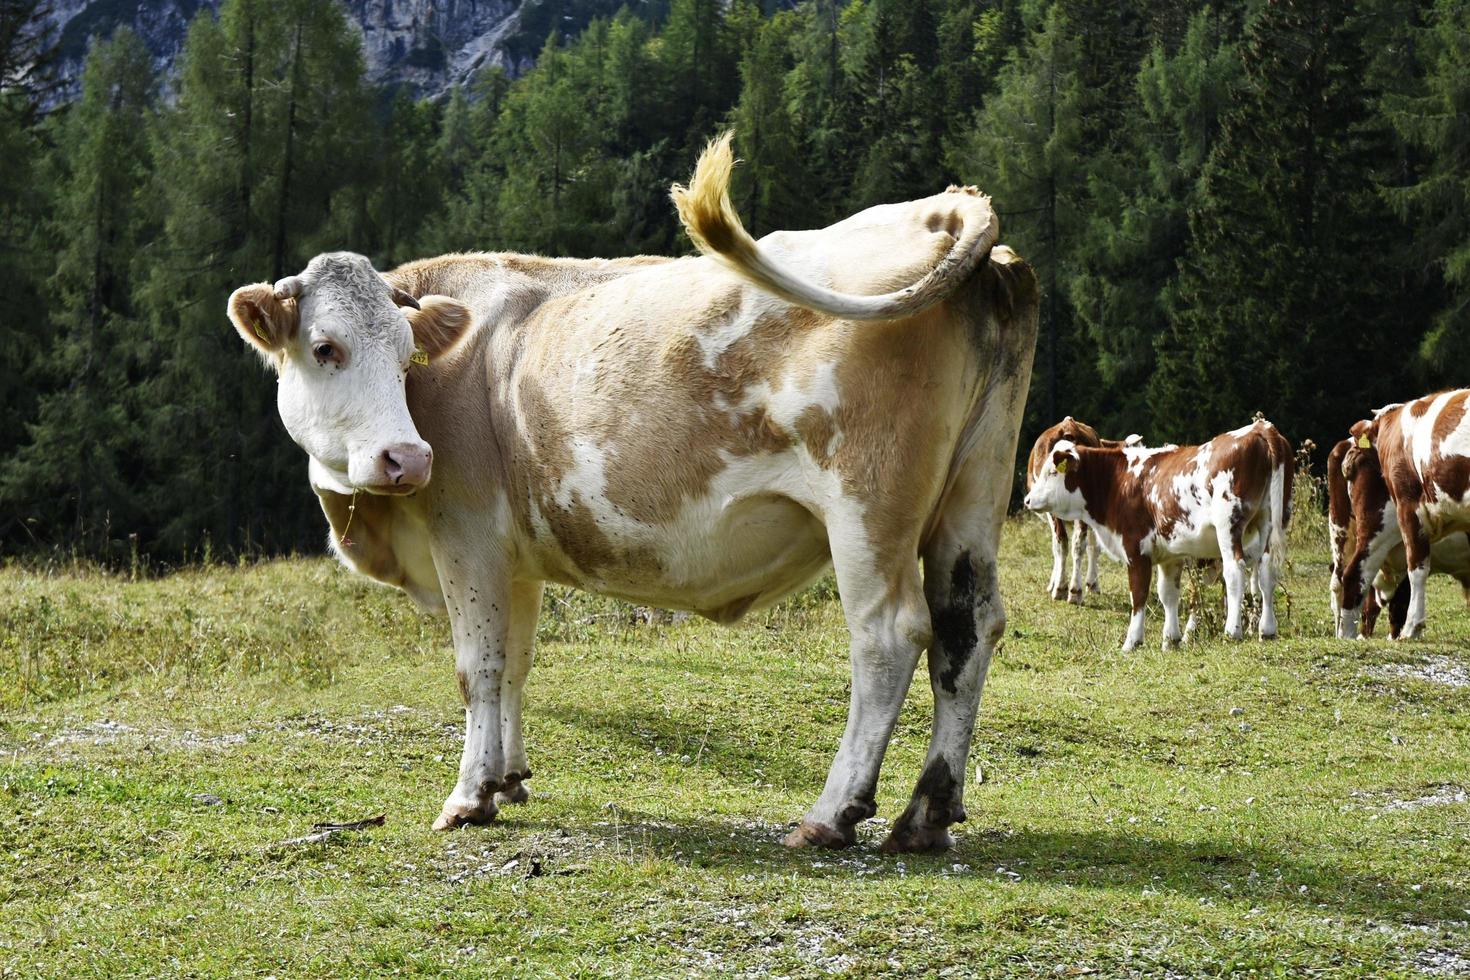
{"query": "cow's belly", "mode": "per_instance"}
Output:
(1444, 516)
(753, 539)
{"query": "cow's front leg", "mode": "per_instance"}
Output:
(478, 595)
(1079, 556)
(889, 625)
(525, 608)
(1169, 575)
(1416, 551)
(1139, 567)
(1058, 557)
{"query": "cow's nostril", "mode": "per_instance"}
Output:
(392, 468)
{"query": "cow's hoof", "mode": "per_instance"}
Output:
(1171, 643)
(456, 815)
(515, 792)
(908, 837)
(1075, 597)
(1094, 588)
(1269, 636)
(1411, 632)
(1059, 593)
(809, 834)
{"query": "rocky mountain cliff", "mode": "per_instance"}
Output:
(424, 44)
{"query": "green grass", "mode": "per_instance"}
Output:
(1126, 823)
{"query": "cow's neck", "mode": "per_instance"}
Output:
(1109, 506)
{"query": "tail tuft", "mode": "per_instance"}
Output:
(704, 206)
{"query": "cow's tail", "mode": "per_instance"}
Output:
(710, 219)
(1282, 473)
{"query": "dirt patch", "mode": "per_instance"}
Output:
(1441, 795)
(1442, 963)
(1437, 669)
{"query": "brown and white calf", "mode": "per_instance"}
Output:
(1081, 434)
(1228, 499)
(707, 433)
(1409, 472)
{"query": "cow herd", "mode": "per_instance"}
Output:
(1398, 489)
(711, 433)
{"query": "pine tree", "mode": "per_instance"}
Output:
(1435, 122)
(270, 125)
(1027, 153)
(1137, 229)
(770, 184)
(27, 57)
(76, 476)
(1279, 298)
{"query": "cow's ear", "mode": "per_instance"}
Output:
(1064, 459)
(438, 324)
(265, 322)
(1365, 434)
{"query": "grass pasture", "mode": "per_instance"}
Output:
(1293, 808)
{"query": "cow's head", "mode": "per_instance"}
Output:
(1057, 489)
(342, 341)
(1362, 450)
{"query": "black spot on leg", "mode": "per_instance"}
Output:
(954, 620)
(937, 786)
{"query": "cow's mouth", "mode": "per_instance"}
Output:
(391, 489)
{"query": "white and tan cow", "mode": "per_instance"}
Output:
(1421, 452)
(1228, 499)
(1081, 434)
(706, 434)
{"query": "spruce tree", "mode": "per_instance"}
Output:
(1137, 228)
(1435, 122)
(270, 125)
(27, 59)
(1027, 152)
(77, 475)
(1281, 294)
(769, 186)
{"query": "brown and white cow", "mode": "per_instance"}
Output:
(1081, 434)
(1416, 492)
(706, 434)
(1368, 493)
(1228, 499)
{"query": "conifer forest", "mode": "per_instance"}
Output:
(1249, 205)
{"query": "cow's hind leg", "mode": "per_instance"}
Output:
(1092, 582)
(962, 587)
(1169, 576)
(1233, 568)
(1416, 548)
(888, 623)
(525, 599)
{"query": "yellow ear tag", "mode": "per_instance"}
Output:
(419, 356)
(1062, 466)
(1364, 442)
(258, 331)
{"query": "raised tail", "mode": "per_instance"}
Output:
(710, 219)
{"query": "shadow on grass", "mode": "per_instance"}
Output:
(1211, 869)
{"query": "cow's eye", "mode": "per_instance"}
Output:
(325, 352)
